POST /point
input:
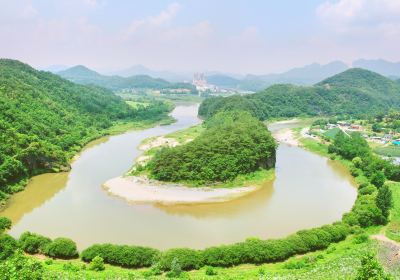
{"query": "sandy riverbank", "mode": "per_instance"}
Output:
(286, 136)
(142, 190)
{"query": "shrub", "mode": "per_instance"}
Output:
(70, 267)
(296, 264)
(224, 255)
(97, 264)
(122, 255)
(369, 189)
(33, 243)
(20, 267)
(210, 271)
(378, 179)
(5, 223)
(364, 213)
(154, 270)
(371, 269)
(357, 162)
(63, 248)
(355, 171)
(384, 201)
(7, 246)
(360, 238)
(188, 258)
(176, 269)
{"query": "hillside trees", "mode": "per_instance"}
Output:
(44, 120)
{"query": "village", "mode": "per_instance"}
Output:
(384, 141)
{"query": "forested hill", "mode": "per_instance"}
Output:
(83, 75)
(353, 92)
(365, 81)
(45, 119)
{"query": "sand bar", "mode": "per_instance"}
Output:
(142, 190)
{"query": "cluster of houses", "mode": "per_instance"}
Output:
(349, 127)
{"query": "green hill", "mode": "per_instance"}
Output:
(83, 75)
(223, 81)
(353, 92)
(45, 119)
(365, 81)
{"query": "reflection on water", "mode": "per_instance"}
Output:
(308, 191)
(40, 189)
(247, 203)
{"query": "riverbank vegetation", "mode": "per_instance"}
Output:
(45, 120)
(232, 144)
(370, 210)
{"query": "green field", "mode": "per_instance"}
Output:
(136, 104)
(388, 151)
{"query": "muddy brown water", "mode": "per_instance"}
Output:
(309, 191)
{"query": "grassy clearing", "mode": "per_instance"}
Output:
(137, 104)
(186, 135)
(314, 146)
(137, 125)
(388, 151)
(393, 228)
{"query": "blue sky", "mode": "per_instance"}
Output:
(253, 36)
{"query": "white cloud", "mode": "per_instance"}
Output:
(346, 15)
(159, 20)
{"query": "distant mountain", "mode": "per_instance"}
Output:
(307, 75)
(142, 70)
(380, 66)
(352, 92)
(83, 75)
(223, 81)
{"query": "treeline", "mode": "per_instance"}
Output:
(374, 197)
(233, 143)
(354, 92)
(252, 250)
(45, 119)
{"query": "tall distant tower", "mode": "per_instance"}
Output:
(199, 80)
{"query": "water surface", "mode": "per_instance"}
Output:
(309, 190)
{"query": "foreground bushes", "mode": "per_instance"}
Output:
(62, 248)
(252, 250)
(7, 246)
(122, 255)
(33, 243)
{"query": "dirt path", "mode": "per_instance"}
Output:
(388, 252)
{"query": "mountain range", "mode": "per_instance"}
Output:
(307, 75)
(352, 92)
(83, 75)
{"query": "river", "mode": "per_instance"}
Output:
(309, 191)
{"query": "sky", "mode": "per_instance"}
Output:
(234, 36)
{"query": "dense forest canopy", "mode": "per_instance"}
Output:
(45, 119)
(233, 143)
(353, 92)
(83, 75)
